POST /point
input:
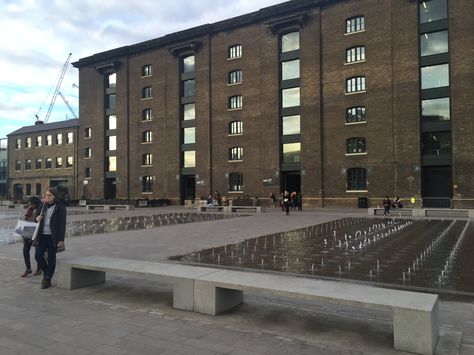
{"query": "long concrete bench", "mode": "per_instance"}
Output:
(210, 208)
(257, 209)
(212, 291)
(110, 207)
(423, 212)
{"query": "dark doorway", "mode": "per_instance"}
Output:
(291, 181)
(18, 192)
(61, 185)
(437, 186)
(110, 188)
(188, 188)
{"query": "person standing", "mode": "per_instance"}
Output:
(386, 206)
(286, 202)
(31, 213)
(272, 200)
(51, 234)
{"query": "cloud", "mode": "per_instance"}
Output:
(37, 36)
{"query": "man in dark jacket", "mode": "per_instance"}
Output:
(51, 234)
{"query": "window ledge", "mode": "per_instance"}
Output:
(144, 121)
(355, 62)
(356, 191)
(235, 192)
(355, 92)
(235, 134)
(234, 84)
(234, 58)
(354, 32)
(234, 109)
(352, 154)
(146, 98)
(146, 76)
(146, 166)
(147, 193)
(146, 142)
(355, 123)
(235, 161)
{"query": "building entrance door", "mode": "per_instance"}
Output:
(188, 188)
(291, 181)
(110, 188)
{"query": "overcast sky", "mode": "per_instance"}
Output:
(36, 37)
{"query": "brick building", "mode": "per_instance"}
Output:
(342, 100)
(43, 155)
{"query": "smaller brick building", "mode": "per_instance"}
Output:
(40, 156)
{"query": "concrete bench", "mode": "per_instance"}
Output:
(443, 212)
(393, 212)
(110, 207)
(210, 208)
(212, 291)
(232, 209)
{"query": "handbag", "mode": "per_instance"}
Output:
(26, 229)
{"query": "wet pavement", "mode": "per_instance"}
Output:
(132, 315)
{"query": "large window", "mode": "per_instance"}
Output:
(111, 122)
(355, 145)
(189, 135)
(236, 182)
(234, 51)
(87, 132)
(290, 69)
(235, 102)
(38, 189)
(189, 112)
(147, 137)
(48, 163)
(38, 163)
(49, 140)
(355, 54)
(69, 162)
(433, 10)
(111, 80)
(147, 92)
(437, 143)
(355, 24)
(112, 164)
(356, 84)
(291, 125)
(189, 88)
(69, 137)
(188, 64)
(434, 76)
(290, 97)
(110, 102)
(59, 138)
(39, 141)
(147, 159)
(59, 162)
(235, 77)
(147, 184)
(355, 114)
(291, 152)
(28, 142)
(434, 43)
(290, 42)
(112, 143)
(147, 114)
(146, 70)
(356, 179)
(189, 159)
(87, 172)
(17, 165)
(18, 143)
(28, 164)
(236, 127)
(236, 153)
(87, 153)
(28, 190)
(435, 110)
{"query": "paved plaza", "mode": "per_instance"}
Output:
(133, 315)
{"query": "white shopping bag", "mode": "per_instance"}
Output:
(26, 229)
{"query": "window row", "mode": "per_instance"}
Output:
(38, 190)
(48, 163)
(58, 140)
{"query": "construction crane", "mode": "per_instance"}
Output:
(67, 104)
(56, 92)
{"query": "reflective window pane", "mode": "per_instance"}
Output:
(189, 88)
(112, 142)
(112, 122)
(434, 43)
(433, 10)
(189, 112)
(189, 135)
(437, 143)
(290, 97)
(188, 64)
(291, 125)
(435, 76)
(292, 153)
(290, 69)
(290, 42)
(435, 110)
(189, 159)
(112, 166)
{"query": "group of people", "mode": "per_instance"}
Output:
(288, 201)
(391, 203)
(217, 200)
(50, 213)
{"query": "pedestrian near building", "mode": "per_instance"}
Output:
(286, 202)
(32, 212)
(51, 234)
(386, 206)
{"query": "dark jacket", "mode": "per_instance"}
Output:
(58, 221)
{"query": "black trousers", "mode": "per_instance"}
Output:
(46, 243)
